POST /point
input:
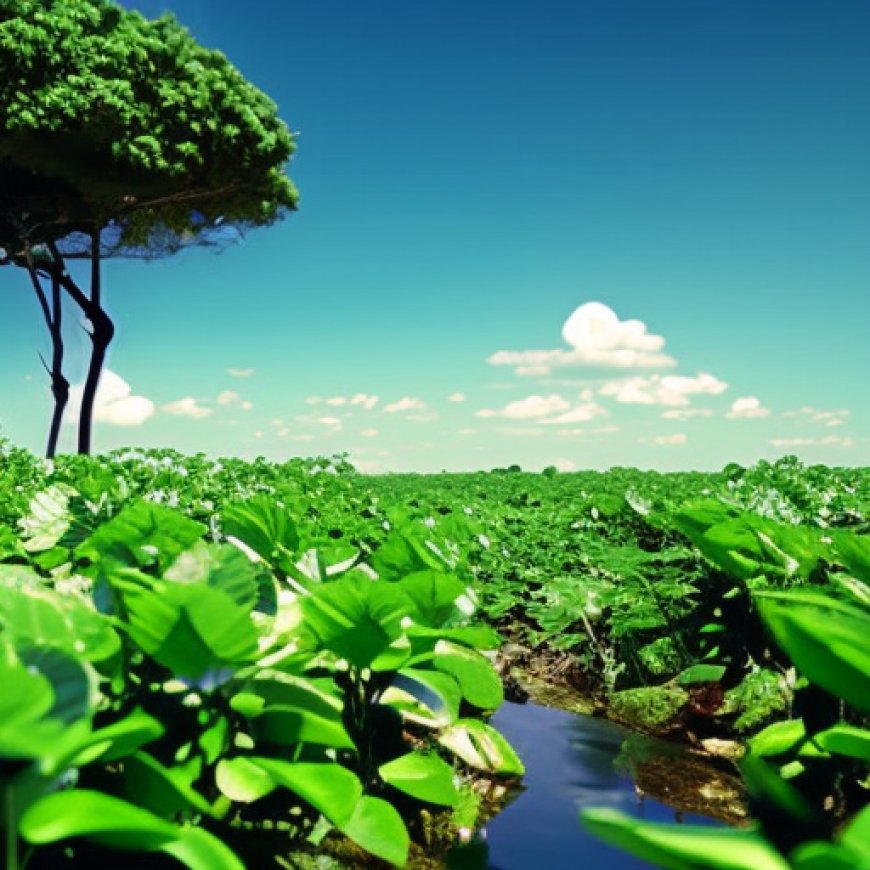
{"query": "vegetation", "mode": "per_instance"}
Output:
(121, 136)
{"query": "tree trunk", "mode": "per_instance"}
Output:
(53, 315)
(59, 384)
(102, 332)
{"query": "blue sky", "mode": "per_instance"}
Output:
(472, 174)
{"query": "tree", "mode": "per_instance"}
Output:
(122, 136)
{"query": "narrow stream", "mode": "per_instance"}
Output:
(570, 764)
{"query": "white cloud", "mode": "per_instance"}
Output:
(456, 397)
(747, 407)
(337, 401)
(826, 418)
(826, 441)
(228, 397)
(366, 401)
(662, 390)
(333, 424)
(406, 403)
(581, 433)
(529, 408)
(596, 337)
(580, 414)
(231, 398)
(676, 438)
(369, 433)
(240, 373)
(114, 403)
(187, 407)
(686, 413)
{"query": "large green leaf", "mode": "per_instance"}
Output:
(425, 777)
(432, 597)
(683, 847)
(242, 780)
(142, 534)
(377, 826)
(847, 740)
(190, 629)
(480, 684)
(355, 618)
(827, 641)
(481, 746)
(117, 824)
(438, 694)
(331, 789)
(222, 566)
(264, 525)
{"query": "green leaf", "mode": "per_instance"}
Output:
(331, 789)
(481, 746)
(377, 826)
(764, 783)
(439, 694)
(264, 525)
(197, 849)
(432, 596)
(701, 674)
(189, 629)
(167, 791)
(683, 847)
(845, 740)
(425, 777)
(221, 566)
(96, 816)
(355, 618)
(825, 639)
(142, 534)
(242, 780)
(778, 738)
(856, 835)
(480, 684)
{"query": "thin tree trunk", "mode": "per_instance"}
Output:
(53, 315)
(102, 332)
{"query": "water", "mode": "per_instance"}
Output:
(569, 764)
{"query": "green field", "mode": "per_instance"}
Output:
(226, 661)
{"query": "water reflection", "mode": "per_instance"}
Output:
(570, 763)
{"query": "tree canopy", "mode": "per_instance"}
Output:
(122, 136)
(123, 119)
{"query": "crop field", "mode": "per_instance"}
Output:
(231, 663)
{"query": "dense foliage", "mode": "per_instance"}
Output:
(222, 621)
(121, 117)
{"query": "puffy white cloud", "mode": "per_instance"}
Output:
(187, 407)
(240, 373)
(336, 401)
(826, 418)
(529, 408)
(582, 413)
(596, 337)
(676, 438)
(406, 403)
(369, 433)
(565, 464)
(686, 413)
(456, 397)
(662, 390)
(364, 400)
(826, 441)
(114, 402)
(747, 407)
(582, 433)
(228, 397)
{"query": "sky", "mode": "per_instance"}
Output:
(583, 234)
